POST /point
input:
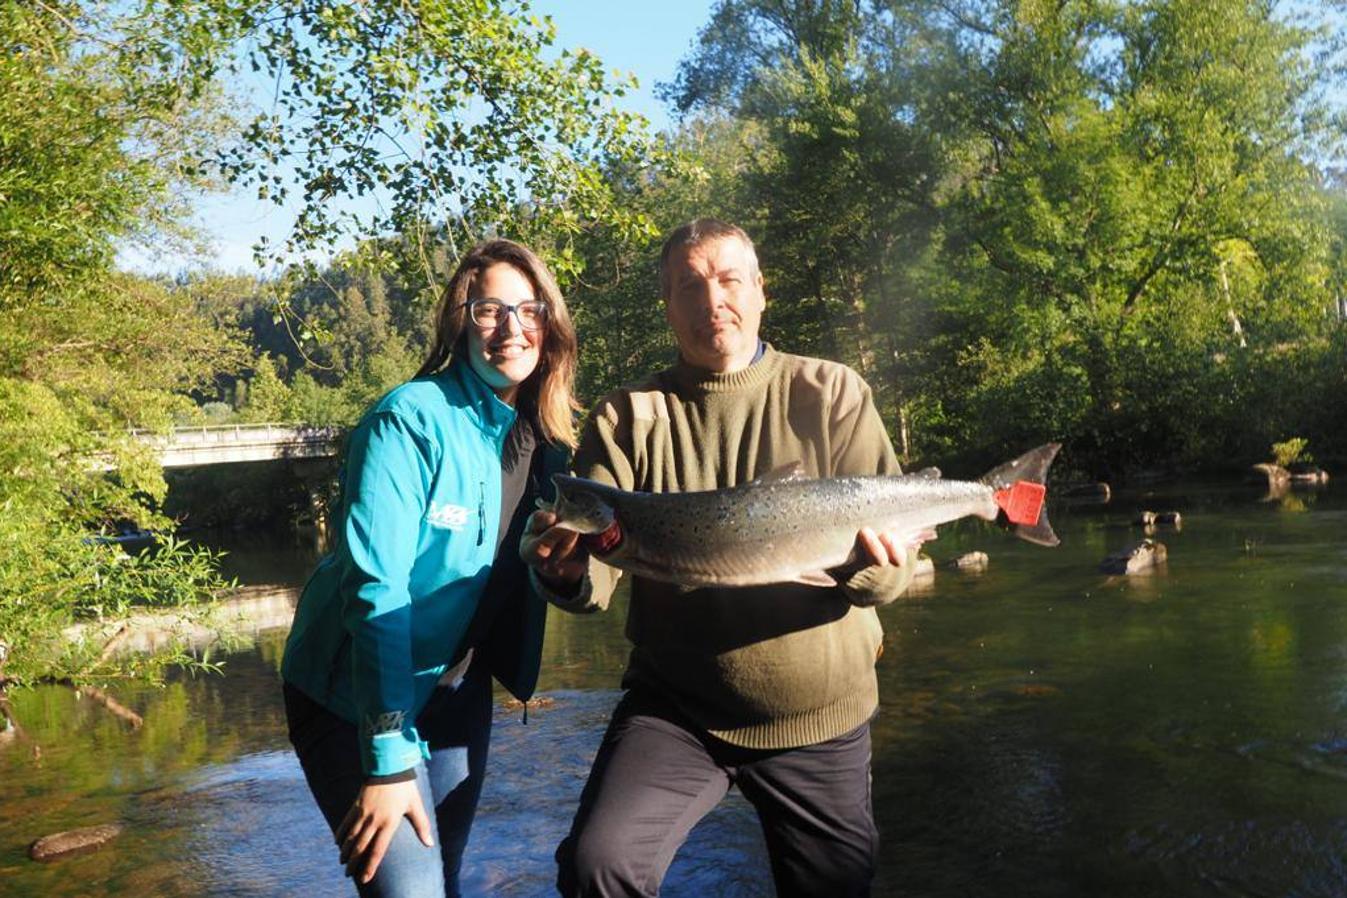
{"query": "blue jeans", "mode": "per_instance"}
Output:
(456, 722)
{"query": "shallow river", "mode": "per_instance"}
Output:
(1045, 730)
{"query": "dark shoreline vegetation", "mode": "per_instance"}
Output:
(1116, 225)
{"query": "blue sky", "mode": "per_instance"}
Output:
(644, 38)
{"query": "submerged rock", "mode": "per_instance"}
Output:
(1135, 559)
(75, 841)
(1310, 474)
(970, 561)
(1275, 475)
(1088, 492)
(1169, 519)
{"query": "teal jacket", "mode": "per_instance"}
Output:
(384, 615)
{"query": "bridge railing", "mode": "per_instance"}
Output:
(220, 434)
(212, 444)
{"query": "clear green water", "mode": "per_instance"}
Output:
(1045, 730)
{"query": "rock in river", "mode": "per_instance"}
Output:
(970, 561)
(1273, 475)
(1306, 473)
(75, 841)
(1135, 559)
(1085, 493)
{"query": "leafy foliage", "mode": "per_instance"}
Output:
(1288, 452)
(453, 117)
(1104, 223)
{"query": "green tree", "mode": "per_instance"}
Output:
(97, 125)
(268, 398)
(456, 116)
(616, 301)
(1135, 198)
(1025, 220)
(838, 185)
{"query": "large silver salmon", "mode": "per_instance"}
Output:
(782, 527)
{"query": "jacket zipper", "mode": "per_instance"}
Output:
(481, 511)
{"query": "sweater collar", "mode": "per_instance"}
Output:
(494, 415)
(688, 377)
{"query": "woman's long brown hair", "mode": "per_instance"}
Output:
(547, 393)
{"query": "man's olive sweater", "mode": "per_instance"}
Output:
(766, 667)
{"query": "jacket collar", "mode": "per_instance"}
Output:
(493, 415)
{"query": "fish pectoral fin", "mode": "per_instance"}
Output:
(816, 578)
(791, 471)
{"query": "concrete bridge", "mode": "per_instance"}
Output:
(221, 444)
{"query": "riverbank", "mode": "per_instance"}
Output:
(240, 614)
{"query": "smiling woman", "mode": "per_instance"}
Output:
(501, 349)
(398, 633)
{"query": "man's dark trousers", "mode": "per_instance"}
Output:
(657, 774)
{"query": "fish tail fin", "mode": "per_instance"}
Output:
(1020, 492)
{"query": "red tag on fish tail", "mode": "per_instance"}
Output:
(602, 543)
(1023, 502)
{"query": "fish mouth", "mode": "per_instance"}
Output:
(580, 504)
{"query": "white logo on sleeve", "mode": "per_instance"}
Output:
(450, 517)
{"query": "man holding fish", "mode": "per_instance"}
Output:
(770, 688)
(734, 679)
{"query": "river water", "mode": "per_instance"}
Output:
(1045, 730)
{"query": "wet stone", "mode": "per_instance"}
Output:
(1135, 559)
(970, 562)
(1086, 493)
(1169, 519)
(1273, 475)
(72, 842)
(1305, 473)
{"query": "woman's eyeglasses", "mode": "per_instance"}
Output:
(491, 313)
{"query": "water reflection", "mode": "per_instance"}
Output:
(1046, 730)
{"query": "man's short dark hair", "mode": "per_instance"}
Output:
(695, 233)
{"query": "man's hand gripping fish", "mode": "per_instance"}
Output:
(782, 527)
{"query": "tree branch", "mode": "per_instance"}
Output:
(107, 701)
(1162, 254)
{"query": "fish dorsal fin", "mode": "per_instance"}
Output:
(792, 471)
(928, 474)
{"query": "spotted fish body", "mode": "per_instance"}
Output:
(780, 528)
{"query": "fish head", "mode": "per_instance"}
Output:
(581, 506)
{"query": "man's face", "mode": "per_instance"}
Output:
(715, 304)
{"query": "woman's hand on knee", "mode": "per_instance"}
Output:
(373, 819)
